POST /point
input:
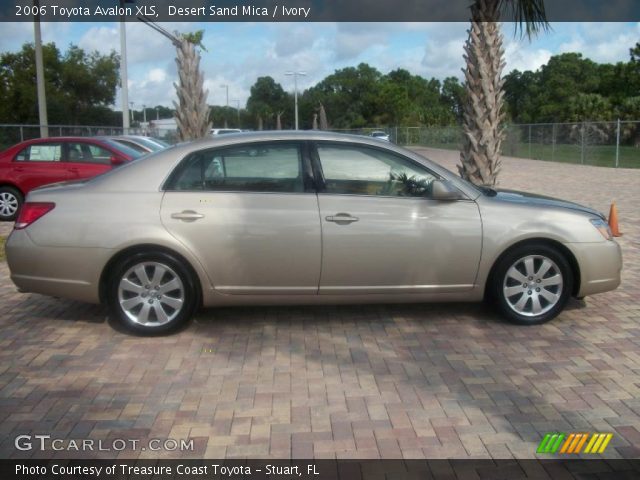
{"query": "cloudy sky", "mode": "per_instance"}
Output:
(238, 53)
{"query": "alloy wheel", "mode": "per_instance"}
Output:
(8, 204)
(533, 285)
(151, 294)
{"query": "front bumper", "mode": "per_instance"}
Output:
(600, 266)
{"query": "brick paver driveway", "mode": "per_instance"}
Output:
(348, 382)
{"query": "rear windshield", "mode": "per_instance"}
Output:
(123, 148)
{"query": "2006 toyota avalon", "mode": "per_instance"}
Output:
(302, 218)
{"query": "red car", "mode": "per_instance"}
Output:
(41, 161)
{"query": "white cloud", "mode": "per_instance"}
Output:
(520, 55)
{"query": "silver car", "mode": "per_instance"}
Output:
(139, 143)
(302, 218)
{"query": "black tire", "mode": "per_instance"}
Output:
(155, 301)
(10, 202)
(538, 298)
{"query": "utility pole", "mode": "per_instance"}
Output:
(42, 97)
(132, 119)
(295, 94)
(225, 112)
(124, 87)
(144, 113)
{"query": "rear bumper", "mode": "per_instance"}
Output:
(56, 271)
(600, 266)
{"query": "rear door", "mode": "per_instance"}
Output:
(40, 164)
(86, 160)
(250, 214)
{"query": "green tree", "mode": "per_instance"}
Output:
(483, 110)
(266, 100)
(79, 85)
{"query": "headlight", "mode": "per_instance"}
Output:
(603, 228)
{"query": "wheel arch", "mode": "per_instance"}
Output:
(146, 248)
(5, 183)
(568, 254)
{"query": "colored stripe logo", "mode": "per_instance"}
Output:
(563, 443)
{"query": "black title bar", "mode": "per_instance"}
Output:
(297, 10)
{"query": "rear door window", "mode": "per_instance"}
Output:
(249, 168)
(41, 152)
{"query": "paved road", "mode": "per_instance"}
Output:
(340, 382)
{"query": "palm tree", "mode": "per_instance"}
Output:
(192, 111)
(483, 110)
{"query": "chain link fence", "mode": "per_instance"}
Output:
(12, 134)
(606, 144)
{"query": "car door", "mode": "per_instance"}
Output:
(249, 213)
(381, 233)
(39, 164)
(86, 160)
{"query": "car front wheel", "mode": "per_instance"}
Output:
(152, 293)
(532, 284)
(10, 202)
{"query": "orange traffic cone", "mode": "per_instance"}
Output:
(613, 220)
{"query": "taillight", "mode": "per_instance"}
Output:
(32, 211)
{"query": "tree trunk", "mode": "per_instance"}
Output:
(192, 111)
(483, 110)
(279, 121)
(324, 123)
(315, 121)
(260, 125)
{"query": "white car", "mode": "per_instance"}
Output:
(222, 131)
(380, 135)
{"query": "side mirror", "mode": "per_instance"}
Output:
(445, 191)
(115, 161)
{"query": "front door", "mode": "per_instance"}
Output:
(250, 215)
(381, 233)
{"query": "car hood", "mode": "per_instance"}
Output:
(514, 196)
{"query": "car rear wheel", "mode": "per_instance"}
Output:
(10, 203)
(152, 293)
(532, 284)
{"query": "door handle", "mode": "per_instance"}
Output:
(73, 170)
(187, 216)
(19, 169)
(341, 219)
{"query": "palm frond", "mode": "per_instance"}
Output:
(530, 16)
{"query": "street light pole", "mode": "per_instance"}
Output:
(132, 104)
(144, 113)
(238, 110)
(295, 91)
(225, 112)
(42, 98)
